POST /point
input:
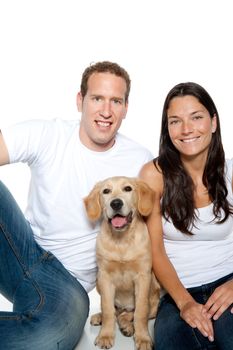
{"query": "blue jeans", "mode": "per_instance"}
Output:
(173, 333)
(50, 307)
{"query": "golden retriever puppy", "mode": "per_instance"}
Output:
(125, 282)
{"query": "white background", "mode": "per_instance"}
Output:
(46, 44)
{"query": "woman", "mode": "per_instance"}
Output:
(191, 226)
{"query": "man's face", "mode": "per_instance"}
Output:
(103, 108)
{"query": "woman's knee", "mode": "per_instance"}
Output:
(176, 336)
(171, 331)
(223, 330)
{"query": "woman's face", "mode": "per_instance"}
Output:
(190, 126)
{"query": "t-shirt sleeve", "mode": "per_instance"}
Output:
(24, 141)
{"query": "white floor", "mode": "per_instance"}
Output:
(90, 332)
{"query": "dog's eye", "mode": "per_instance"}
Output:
(106, 191)
(127, 188)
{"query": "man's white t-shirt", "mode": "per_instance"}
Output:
(63, 171)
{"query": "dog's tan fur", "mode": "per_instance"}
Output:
(127, 286)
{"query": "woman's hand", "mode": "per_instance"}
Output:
(196, 316)
(220, 300)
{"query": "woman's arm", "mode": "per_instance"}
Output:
(192, 312)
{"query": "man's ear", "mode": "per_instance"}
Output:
(79, 101)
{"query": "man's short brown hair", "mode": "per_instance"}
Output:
(105, 67)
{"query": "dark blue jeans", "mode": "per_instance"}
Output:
(50, 307)
(173, 333)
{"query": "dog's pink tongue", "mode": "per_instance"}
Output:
(118, 221)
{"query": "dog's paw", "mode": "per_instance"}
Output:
(104, 342)
(127, 330)
(125, 322)
(143, 343)
(96, 319)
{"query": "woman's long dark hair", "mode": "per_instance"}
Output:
(178, 200)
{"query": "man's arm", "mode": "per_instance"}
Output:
(4, 156)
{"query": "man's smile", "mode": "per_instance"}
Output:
(103, 124)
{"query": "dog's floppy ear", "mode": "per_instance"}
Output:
(92, 203)
(145, 198)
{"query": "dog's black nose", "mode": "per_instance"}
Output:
(116, 204)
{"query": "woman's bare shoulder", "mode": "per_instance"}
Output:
(152, 175)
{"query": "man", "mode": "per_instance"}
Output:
(47, 262)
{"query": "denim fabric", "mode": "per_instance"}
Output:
(50, 307)
(173, 333)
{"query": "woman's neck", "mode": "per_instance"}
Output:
(195, 166)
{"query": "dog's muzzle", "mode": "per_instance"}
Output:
(119, 221)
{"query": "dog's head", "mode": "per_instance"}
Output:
(119, 199)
